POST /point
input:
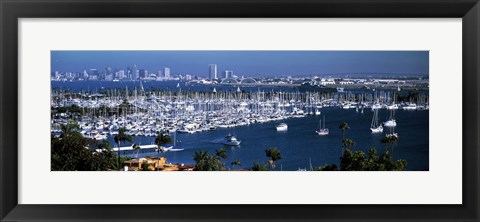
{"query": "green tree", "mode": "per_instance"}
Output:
(352, 161)
(235, 163)
(348, 143)
(119, 138)
(136, 148)
(359, 161)
(206, 162)
(344, 126)
(145, 165)
(222, 153)
(70, 128)
(326, 167)
(273, 155)
(162, 139)
(389, 140)
(259, 167)
(71, 152)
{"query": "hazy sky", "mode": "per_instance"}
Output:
(247, 62)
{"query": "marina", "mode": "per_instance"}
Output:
(246, 123)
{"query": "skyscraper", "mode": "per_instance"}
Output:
(212, 71)
(227, 74)
(134, 72)
(166, 71)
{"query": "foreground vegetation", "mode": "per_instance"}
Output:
(73, 152)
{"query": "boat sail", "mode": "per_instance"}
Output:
(375, 127)
(322, 131)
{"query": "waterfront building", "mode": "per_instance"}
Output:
(93, 72)
(134, 72)
(227, 74)
(142, 73)
(128, 73)
(212, 71)
(85, 74)
(120, 74)
(166, 71)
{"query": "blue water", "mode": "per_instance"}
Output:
(98, 86)
(300, 143)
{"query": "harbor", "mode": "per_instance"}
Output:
(199, 120)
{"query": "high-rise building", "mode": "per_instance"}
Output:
(166, 71)
(120, 74)
(212, 71)
(227, 74)
(128, 73)
(134, 73)
(160, 73)
(141, 73)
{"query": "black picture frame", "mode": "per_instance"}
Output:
(11, 11)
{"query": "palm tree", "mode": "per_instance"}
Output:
(348, 143)
(222, 153)
(273, 155)
(259, 167)
(236, 163)
(344, 126)
(200, 155)
(136, 148)
(162, 139)
(205, 162)
(119, 138)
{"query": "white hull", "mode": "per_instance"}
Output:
(235, 143)
(377, 130)
(390, 123)
(322, 132)
(282, 127)
(230, 140)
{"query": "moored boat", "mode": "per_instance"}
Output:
(282, 127)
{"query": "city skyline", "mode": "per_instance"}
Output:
(262, 63)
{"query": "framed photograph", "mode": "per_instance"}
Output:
(224, 110)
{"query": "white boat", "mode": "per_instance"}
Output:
(391, 122)
(375, 127)
(322, 131)
(231, 140)
(376, 106)
(393, 106)
(282, 127)
(411, 106)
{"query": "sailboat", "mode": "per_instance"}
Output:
(322, 131)
(391, 122)
(375, 127)
(392, 133)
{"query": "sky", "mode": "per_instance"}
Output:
(250, 63)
